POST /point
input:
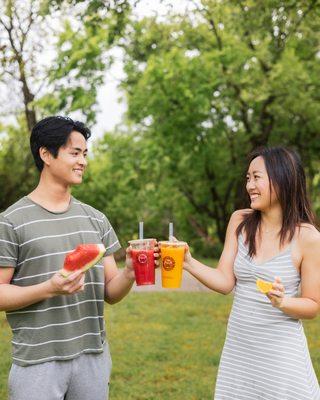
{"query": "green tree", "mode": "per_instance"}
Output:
(124, 181)
(78, 35)
(17, 172)
(127, 179)
(210, 87)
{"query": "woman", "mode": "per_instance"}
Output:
(265, 355)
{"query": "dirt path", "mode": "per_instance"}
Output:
(189, 284)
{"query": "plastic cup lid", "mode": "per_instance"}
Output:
(173, 244)
(141, 241)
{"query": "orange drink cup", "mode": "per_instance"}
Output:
(172, 256)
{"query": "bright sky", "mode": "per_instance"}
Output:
(111, 101)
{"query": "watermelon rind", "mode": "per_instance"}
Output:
(65, 273)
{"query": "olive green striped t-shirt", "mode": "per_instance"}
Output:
(35, 241)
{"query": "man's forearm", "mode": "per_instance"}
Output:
(14, 297)
(118, 287)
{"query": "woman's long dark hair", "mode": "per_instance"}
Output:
(287, 177)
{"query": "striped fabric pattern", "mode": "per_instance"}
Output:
(35, 241)
(265, 355)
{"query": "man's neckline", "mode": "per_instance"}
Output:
(51, 211)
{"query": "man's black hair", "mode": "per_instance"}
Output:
(53, 133)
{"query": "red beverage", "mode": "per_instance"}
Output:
(143, 264)
(142, 253)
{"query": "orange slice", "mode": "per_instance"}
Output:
(264, 286)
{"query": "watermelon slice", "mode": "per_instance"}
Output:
(83, 257)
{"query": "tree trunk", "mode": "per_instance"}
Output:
(28, 97)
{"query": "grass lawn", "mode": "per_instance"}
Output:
(165, 346)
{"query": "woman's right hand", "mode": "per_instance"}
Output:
(187, 255)
(187, 258)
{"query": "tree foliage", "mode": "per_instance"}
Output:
(203, 90)
(212, 86)
(17, 172)
(82, 56)
(76, 36)
(124, 180)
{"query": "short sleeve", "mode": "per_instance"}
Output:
(9, 246)
(109, 238)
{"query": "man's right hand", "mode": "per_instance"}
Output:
(74, 283)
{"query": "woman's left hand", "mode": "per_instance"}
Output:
(276, 295)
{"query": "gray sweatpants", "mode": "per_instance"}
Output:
(83, 378)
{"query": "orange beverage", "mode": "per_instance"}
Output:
(172, 256)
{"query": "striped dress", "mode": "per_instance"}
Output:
(265, 355)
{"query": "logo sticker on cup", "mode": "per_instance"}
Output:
(142, 258)
(168, 263)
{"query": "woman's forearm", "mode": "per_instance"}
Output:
(299, 307)
(213, 278)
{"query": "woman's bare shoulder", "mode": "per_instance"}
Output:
(308, 236)
(240, 214)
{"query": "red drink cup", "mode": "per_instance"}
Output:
(142, 253)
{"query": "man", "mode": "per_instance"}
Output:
(59, 345)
